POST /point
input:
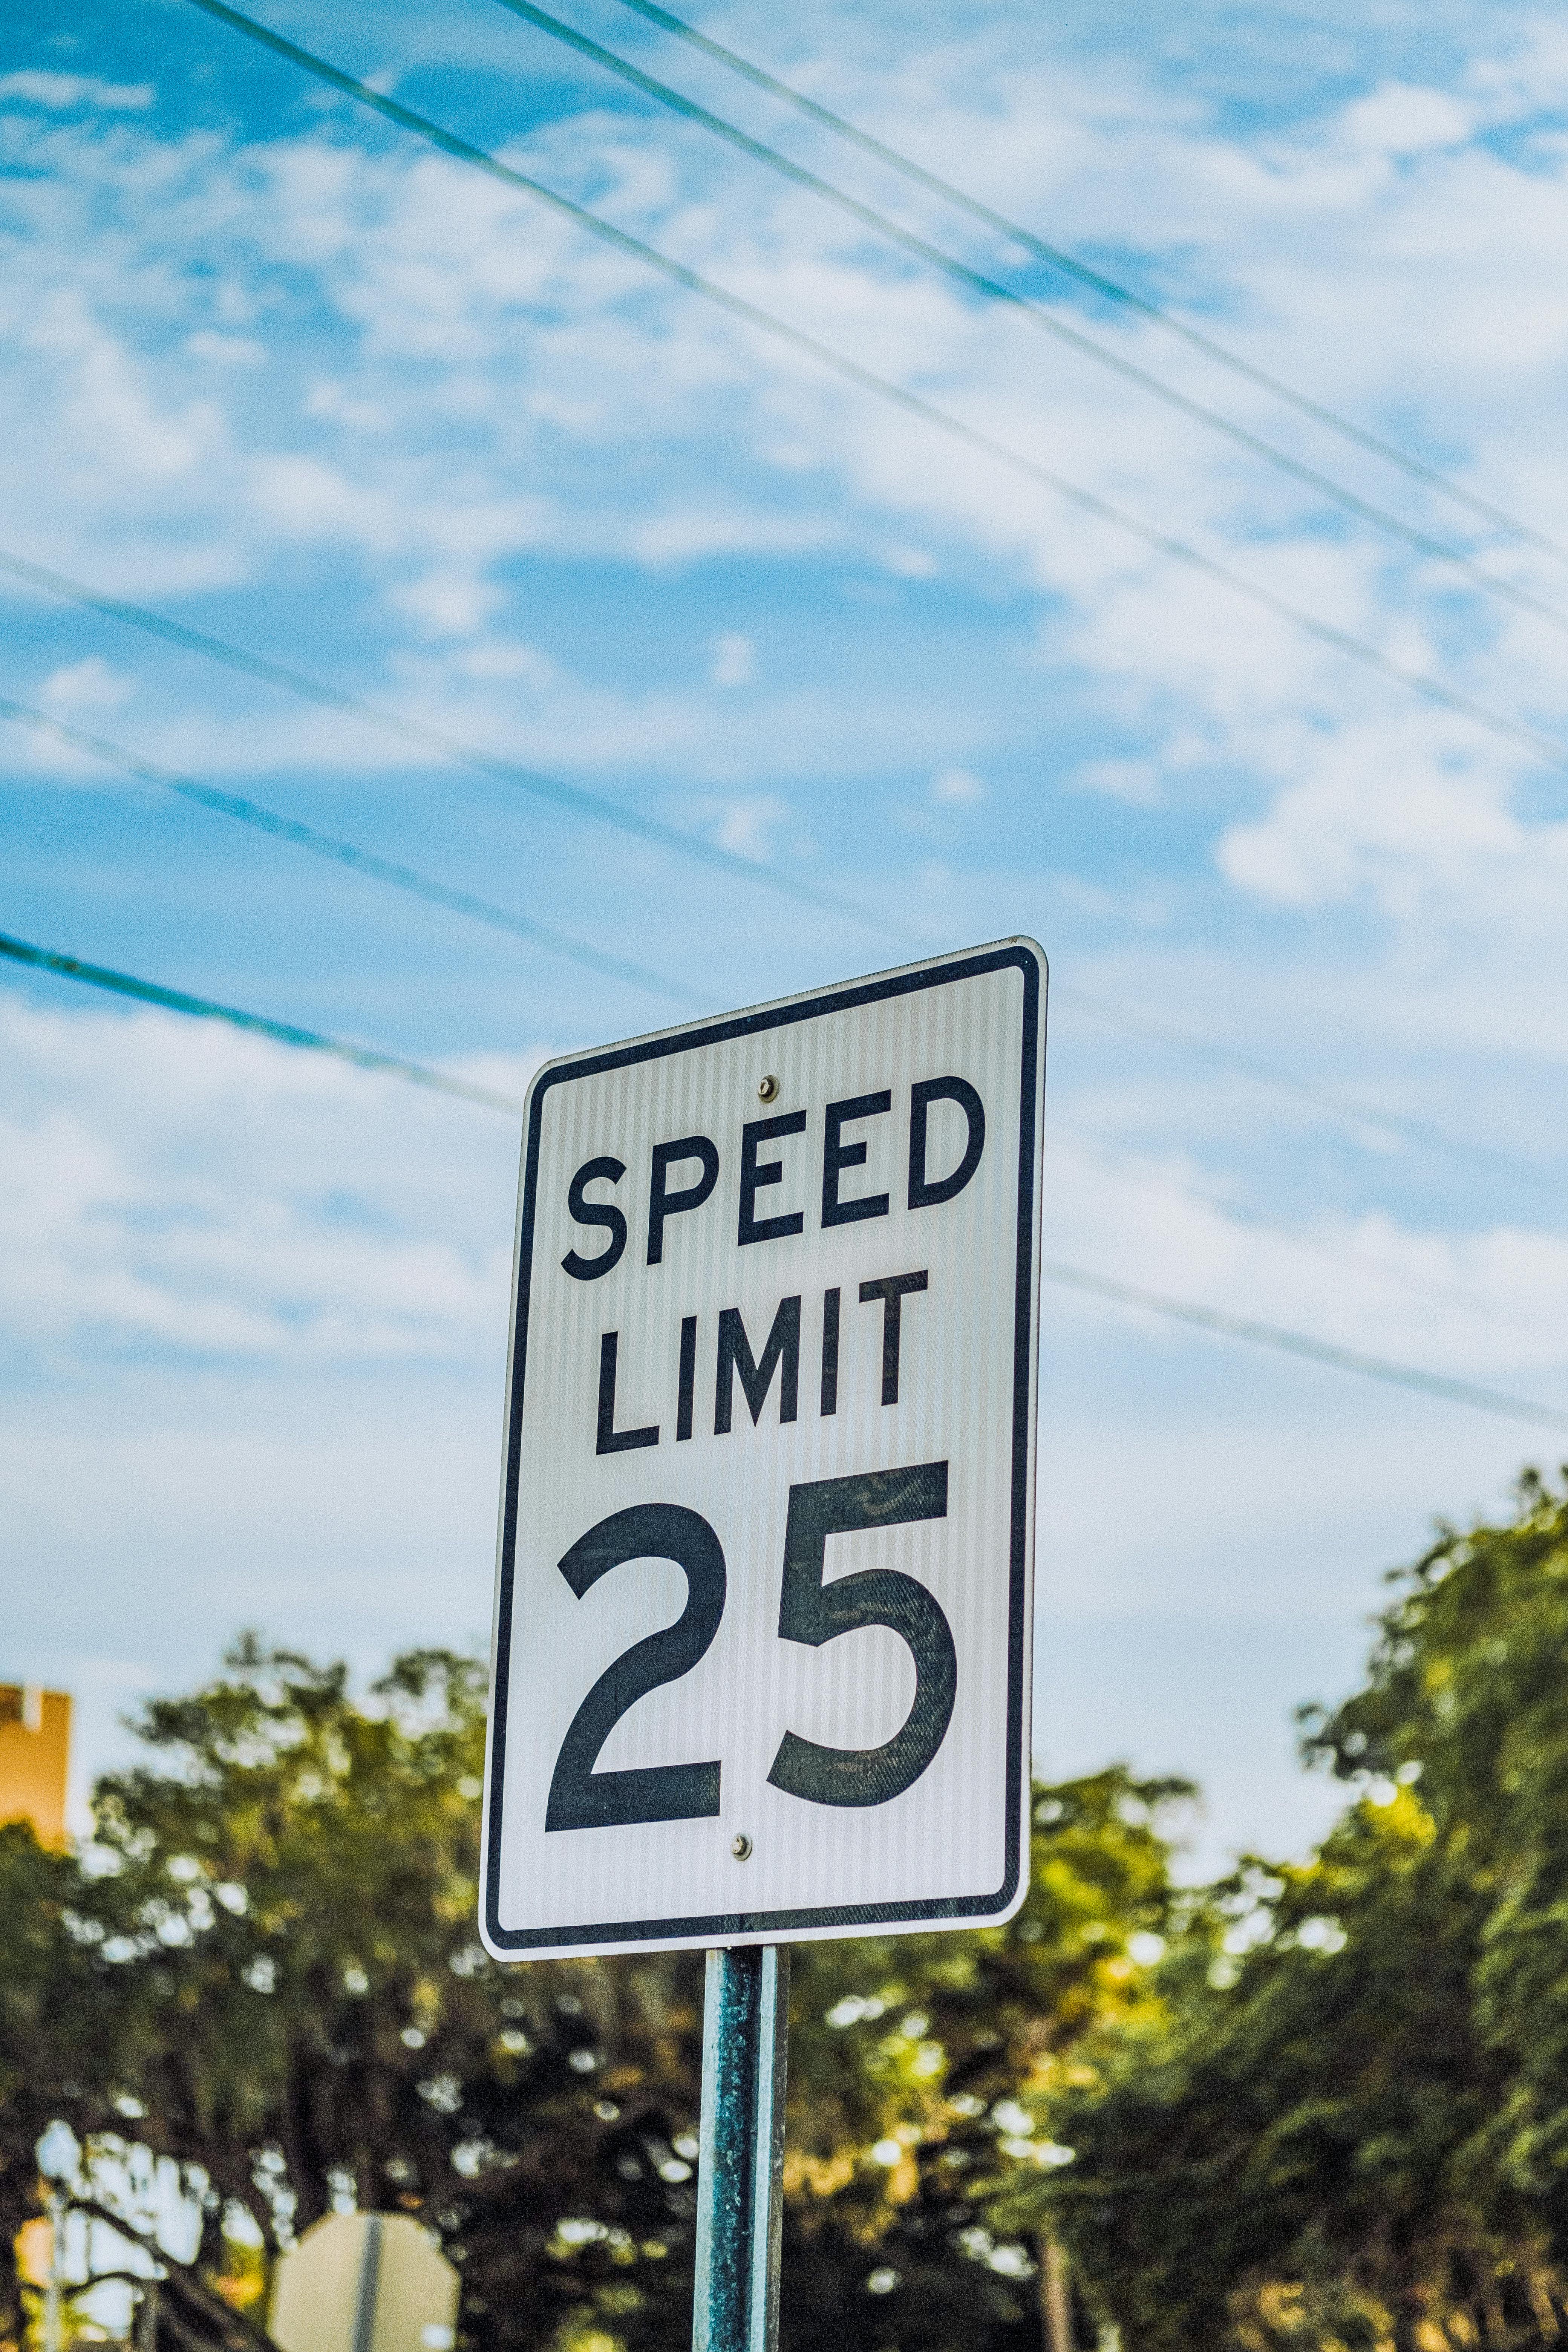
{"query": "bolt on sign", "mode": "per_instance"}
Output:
(763, 1620)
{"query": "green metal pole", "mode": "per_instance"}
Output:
(745, 2031)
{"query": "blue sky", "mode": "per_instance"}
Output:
(283, 374)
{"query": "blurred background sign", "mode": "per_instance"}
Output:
(364, 2283)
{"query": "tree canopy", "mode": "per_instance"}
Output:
(264, 1967)
(1320, 2106)
(1348, 2123)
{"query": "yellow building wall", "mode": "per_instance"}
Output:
(35, 1758)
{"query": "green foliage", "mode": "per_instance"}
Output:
(920, 2067)
(265, 1967)
(1351, 2128)
(1318, 2107)
(1468, 1699)
(61, 2028)
(290, 1899)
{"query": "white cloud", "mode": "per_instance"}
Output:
(747, 826)
(957, 788)
(85, 687)
(61, 93)
(734, 659)
(1400, 120)
(464, 310)
(1488, 1305)
(226, 351)
(449, 604)
(1399, 811)
(1134, 782)
(181, 1189)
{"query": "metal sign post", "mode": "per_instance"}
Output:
(761, 1642)
(745, 2030)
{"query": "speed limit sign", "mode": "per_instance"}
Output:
(763, 1619)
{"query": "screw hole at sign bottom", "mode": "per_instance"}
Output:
(739, 1846)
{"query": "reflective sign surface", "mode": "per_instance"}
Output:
(763, 1613)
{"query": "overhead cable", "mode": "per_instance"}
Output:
(1268, 1335)
(361, 861)
(1345, 1107)
(693, 845)
(1134, 1169)
(1055, 258)
(1518, 732)
(1317, 1351)
(430, 739)
(993, 289)
(282, 1033)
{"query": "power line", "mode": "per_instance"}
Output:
(1035, 314)
(1345, 1107)
(1135, 1170)
(462, 902)
(1268, 1335)
(361, 861)
(693, 845)
(1541, 746)
(1317, 1351)
(283, 1033)
(430, 739)
(1097, 281)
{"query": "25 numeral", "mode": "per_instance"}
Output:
(811, 1611)
(580, 1798)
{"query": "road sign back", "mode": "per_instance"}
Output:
(761, 1642)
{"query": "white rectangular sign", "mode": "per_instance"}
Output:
(763, 1618)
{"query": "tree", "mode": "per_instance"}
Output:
(921, 2066)
(289, 1899)
(1467, 1700)
(995, 2007)
(62, 2029)
(271, 1939)
(1351, 2128)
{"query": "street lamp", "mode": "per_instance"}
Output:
(59, 2156)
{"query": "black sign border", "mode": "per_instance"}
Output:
(779, 1926)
